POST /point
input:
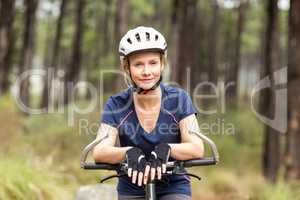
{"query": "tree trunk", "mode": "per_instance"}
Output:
(46, 62)
(293, 136)
(175, 20)
(27, 51)
(55, 54)
(73, 70)
(213, 44)
(227, 54)
(102, 39)
(187, 51)
(106, 39)
(232, 91)
(121, 20)
(198, 64)
(271, 150)
(7, 41)
(121, 26)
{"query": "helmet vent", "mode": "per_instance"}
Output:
(147, 36)
(156, 37)
(138, 38)
(129, 40)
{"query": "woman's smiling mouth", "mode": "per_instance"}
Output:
(146, 80)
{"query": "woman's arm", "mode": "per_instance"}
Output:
(191, 145)
(106, 151)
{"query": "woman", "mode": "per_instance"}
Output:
(150, 120)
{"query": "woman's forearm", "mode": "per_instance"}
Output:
(186, 151)
(109, 154)
(114, 155)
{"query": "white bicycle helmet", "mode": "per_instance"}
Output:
(142, 38)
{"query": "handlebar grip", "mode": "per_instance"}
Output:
(200, 162)
(100, 166)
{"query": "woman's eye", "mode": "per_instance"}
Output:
(138, 64)
(153, 62)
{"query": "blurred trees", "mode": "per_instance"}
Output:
(175, 16)
(7, 42)
(73, 68)
(293, 134)
(188, 26)
(28, 47)
(121, 26)
(271, 150)
(216, 40)
(55, 53)
(187, 42)
(234, 70)
(102, 23)
(121, 21)
(213, 54)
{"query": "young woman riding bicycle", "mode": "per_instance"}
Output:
(148, 124)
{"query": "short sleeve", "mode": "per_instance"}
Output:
(108, 116)
(185, 105)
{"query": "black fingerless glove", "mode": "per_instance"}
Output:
(160, 155)
(136, 159)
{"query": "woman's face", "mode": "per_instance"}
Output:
(145, 68)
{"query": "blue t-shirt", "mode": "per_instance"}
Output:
(119, 112)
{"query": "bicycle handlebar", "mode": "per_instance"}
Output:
(170, 165)
(188, 163)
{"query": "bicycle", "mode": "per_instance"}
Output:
(173, 167)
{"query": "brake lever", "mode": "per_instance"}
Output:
(180, 170)
(189, 174)
(112, 176)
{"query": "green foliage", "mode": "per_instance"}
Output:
(227, 183)
(253, 29)
(283, 31)
(11, 128)
(238, 135)
(281, 191)
(21, 180)
(141, 9)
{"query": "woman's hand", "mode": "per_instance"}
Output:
(158, 160)
(138, 167)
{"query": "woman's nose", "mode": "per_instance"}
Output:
(146, 70)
